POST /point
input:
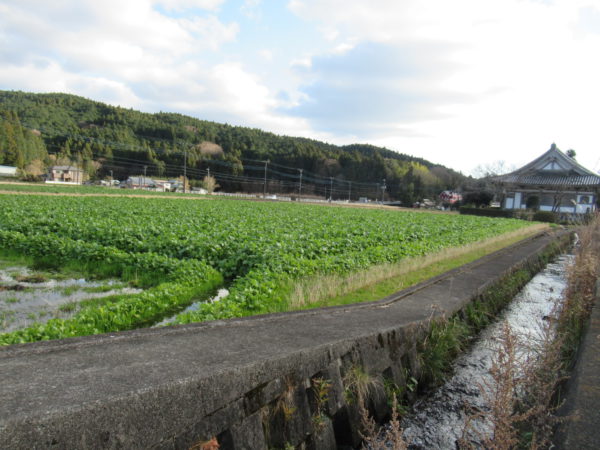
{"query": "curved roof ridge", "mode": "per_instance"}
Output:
(555, 153)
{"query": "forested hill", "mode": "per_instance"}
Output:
(37, 130)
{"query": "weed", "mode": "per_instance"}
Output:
(285, 402)
(68, 307)
(500, 394)
(12, 300)
(360, 386)
(396, 395)
(6, 317)
(391, 438)
(447, 338)
(104, 288)
(579, 296)
(211, 444)
(34, 278)
(69, 290)
(321, 388)
(522, 393)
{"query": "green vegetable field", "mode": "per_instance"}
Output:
(183, 250)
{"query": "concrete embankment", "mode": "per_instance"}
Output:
(247, 382)
(581, 410)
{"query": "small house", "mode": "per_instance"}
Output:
(140, 183)
(8, 171)
(65, 175)
(450, 197)
(162, 185)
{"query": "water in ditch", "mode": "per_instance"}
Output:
(221, 294)
(438, 421)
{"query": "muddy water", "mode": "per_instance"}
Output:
(437, 422)
(25, 300)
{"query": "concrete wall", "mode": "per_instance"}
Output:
(247, 382)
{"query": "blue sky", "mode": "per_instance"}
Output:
(463, 83)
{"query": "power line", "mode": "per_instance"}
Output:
(355, 188)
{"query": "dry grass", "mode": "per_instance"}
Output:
(360, 388)
(522, 393)
(373, 439)
(500, 393)
(212, 444)
(579, 296)
(320, 388)
(285, 402)
(315, 289)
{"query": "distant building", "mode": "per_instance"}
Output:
(450, 197)
(162, 185)
(140, 183)
(65, 175)
(553, 182)
(8, 171)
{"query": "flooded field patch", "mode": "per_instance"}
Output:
(28, 297)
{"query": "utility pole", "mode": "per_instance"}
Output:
(184, 170)
(383, 192)
(300, 186)
(208, 172)
(265, 180)
(349, 190)
(144, 181)
(111, 176)
(377, 193)
(330, 188)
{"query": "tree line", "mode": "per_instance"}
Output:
(37, 130)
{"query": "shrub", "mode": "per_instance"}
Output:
(545, 216)
(488, 212)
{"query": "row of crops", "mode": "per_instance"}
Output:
(184, 250)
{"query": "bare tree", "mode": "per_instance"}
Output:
(209, 183)
(493, 169)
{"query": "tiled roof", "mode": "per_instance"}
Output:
(568, 172)
(551, 179)
(73, 168)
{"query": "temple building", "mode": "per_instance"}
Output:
(553, 182)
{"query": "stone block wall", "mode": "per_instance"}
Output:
(286, 411)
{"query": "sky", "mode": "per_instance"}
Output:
(465, 83)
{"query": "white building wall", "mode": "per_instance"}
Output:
(518, 197)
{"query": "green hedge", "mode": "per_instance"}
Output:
(545, 216)
(487, 212)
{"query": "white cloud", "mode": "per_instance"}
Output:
(53, 78)
(179, 5)
(512, 77)
(129, 54)
(122, 43)
(266, 54)
(251, 9)
(455, 82)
